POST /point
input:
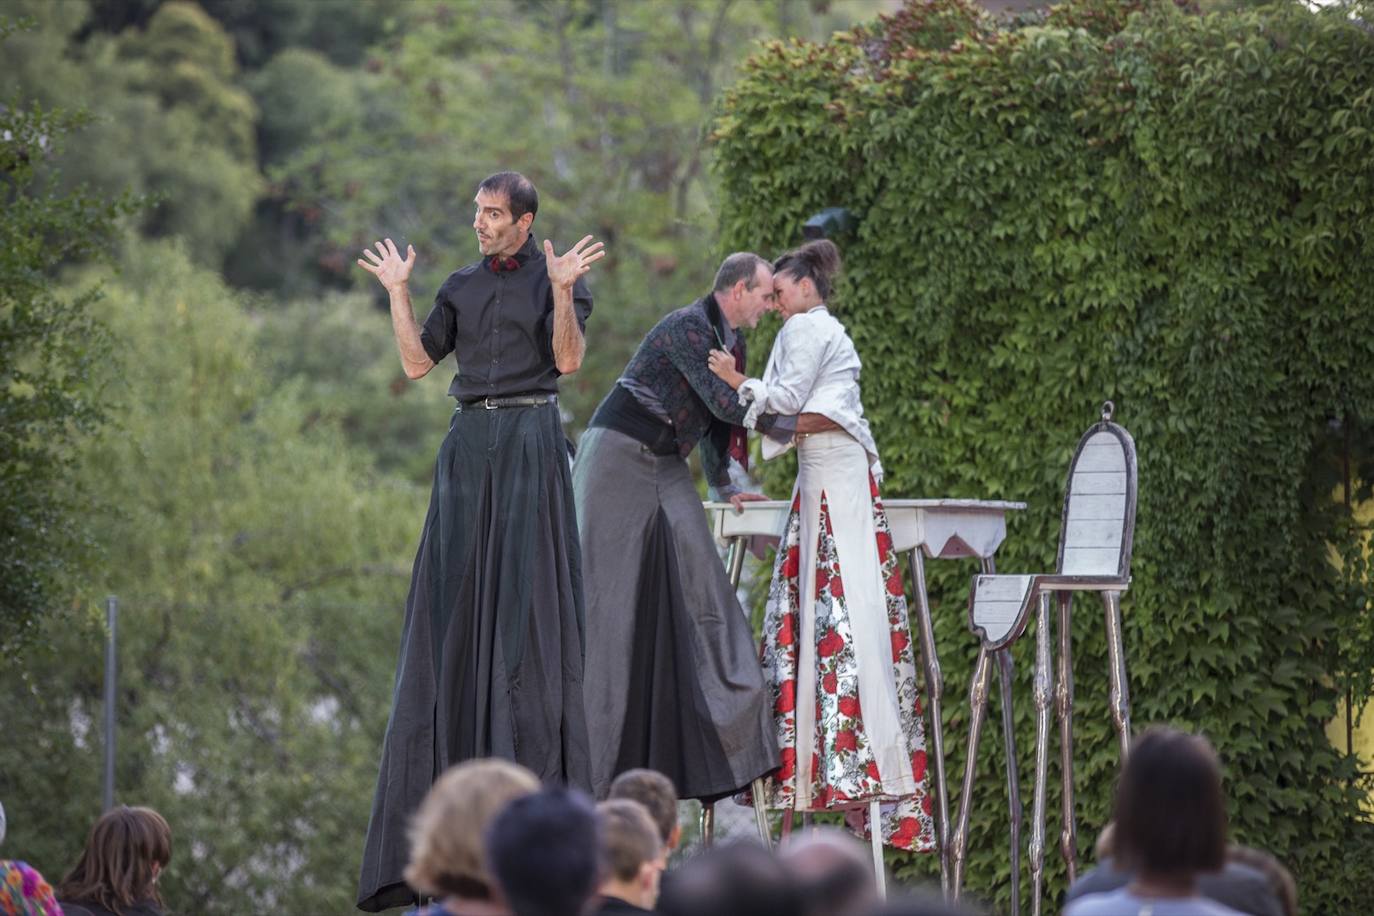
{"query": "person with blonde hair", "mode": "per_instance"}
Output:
(117, 873)
(446, 858)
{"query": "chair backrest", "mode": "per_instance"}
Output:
(1099, 503)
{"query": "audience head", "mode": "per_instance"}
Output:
(125, 852)
(1170, 810)
(1280, 878)
(656, 793)
(804, 277)
(446, 833)
(631, 852)
(735, 879)
(831, 870)
(543, 850)
(921, 903)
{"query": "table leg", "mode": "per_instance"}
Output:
(875, 832)
(1043, 687)
(925, 634)
(978, 702)
(734, 560)
(1004, 677)
(708, 823)
(734, 564)
(761, 814)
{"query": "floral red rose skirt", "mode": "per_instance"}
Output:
(837, 653)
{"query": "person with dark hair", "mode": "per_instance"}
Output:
(1170, 828)
(733, 879)
(655, 792)
(446, 857)
(1251, 881)
(544, 852)
(837, 651)
(673, 680)
(491, 655)
(117, 873)
(632, 858)
(832, 871)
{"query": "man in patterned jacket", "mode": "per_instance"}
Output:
(672, 675)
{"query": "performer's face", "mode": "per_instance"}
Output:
(793, 297)
(497, 232)
(754, 302)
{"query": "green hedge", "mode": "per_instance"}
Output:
(1125, 201)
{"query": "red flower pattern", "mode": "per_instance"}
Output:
(843, 769)
(901, 641)
(787, 698)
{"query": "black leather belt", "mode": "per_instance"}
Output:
(517, 400)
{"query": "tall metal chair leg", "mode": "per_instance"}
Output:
(925, 635)
(978, 701)
(1116, 657)
(1004, 676)
(1043, 684)
(1063, 701)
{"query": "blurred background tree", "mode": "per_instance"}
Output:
(225, 439)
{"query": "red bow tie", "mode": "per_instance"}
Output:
(501, 265)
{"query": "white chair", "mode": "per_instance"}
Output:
(1095, 543)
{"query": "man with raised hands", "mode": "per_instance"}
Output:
(491, 655)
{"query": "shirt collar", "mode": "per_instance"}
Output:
(527, 251)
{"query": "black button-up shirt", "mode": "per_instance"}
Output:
(499, 326)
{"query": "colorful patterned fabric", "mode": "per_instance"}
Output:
(23, 892)
(843, 772)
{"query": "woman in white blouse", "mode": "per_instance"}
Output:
(836, 645)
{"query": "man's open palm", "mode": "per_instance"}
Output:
(387, 265)
(564, 271)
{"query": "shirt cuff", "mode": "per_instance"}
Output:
(723, 492)
(781, 429)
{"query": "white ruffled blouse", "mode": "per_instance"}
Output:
(813, 368)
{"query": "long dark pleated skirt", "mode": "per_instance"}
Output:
(492, 647)
(673, 678)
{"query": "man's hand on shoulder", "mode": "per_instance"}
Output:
(387, 265)
(565, 270)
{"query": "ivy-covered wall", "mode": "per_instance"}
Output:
(1131, 201)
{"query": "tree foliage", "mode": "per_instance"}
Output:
(601, 104)
(262, 566)
(49, 346)
(167, 121)
(1124, 201)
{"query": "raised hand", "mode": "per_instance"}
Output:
(387, 265)
(564, 271)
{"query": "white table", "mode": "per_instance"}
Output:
(942, 529)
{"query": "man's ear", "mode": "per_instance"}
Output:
(648, 872)
(525, 222)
